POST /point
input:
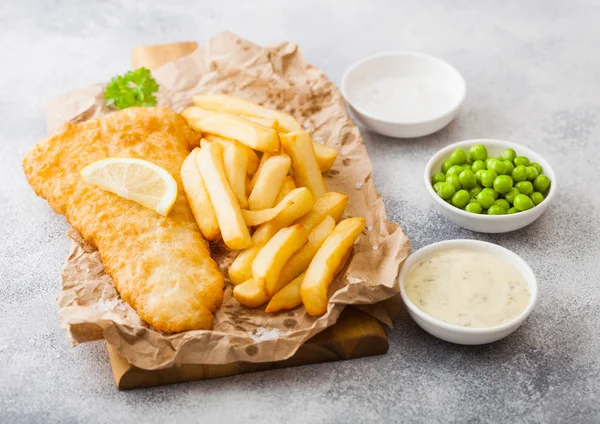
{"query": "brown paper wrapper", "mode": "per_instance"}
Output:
(279, 78)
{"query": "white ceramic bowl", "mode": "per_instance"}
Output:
(455, 333)
(488, 223)
(410, 74)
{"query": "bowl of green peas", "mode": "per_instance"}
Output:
(490, 186)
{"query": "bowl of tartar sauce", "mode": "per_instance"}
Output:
(403, 94)
(467, 291)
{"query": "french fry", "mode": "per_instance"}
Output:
(235, 160)
(269, 262)
(230, 104)
(332, 204)
(261, 162)
(322, 268)
(289, 296)
(197, 196)
(298, 263)
(267, 122)
(254, 218)
(229, 214)
(253, 135)
(288, 185)
(298, 145)
(241, 268)
(269, 179)
(250, 294)
(253, 159)
(325, 156)
(295, 266)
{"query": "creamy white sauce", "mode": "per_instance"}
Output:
(406, 99)
(467, 288)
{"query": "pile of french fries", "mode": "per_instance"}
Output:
(256, 183)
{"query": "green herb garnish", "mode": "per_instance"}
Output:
(135, 88)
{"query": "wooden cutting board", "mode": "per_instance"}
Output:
(356, 334)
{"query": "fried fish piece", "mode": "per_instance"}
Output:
(160, 265)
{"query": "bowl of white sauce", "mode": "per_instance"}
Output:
(467, 291)
(403, 94)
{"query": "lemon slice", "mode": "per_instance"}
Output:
(134, 179)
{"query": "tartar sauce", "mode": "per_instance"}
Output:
(467, 288)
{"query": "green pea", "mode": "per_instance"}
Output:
(479, 174)
(513, 210)
(498, 166)
(454, 170)
(532, 173)
(485, 199)
(503, 183)
(536, 197)
(521, 160)
(488, 161)
(475, 190)
(488, 177)
(493, 192)
(477, 165)
(519, 173)
(496, 210)
(524, 187)
(467, 166)
(537, 166)
(523, 202)
(508, 154)
(446, 190)
(467, 179)
(446, 166)
(438, 177)
(455, 181)
(437, 186)
(503, 203)
(473, 207)
(541, 183)
(458, 157)
(478, 152)
(509, 167)
(511, 194)
(461, 198)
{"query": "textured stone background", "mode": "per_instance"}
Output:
(532, 70)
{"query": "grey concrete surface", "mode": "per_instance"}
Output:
(533, 75)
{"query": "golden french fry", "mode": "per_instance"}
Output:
(197, 196)
(230, 104)
(332, 204)
(288, 185)
(322, 268)
(250, 294)
(229, 214)
(275, 253)
(325, 156)
(253, 159)
(235, 160)
(269, 179)
(241, 268)
(267, 122)
(288, 297)
(250, 133)
(298, 263)
(298, 145)
(254, 218)
(261, 163)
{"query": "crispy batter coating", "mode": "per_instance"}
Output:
(160, 265)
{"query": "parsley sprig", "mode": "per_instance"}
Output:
(135, 88)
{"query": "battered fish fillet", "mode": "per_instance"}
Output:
(160, 265)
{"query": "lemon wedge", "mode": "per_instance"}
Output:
(134, 179)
